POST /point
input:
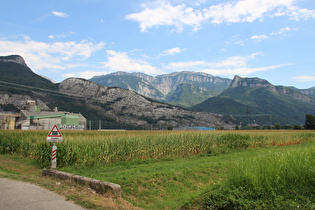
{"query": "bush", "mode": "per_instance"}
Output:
(297, 127)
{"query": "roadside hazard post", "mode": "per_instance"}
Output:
(54, 136)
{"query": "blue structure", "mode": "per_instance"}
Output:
(194, 129)
(205, 129)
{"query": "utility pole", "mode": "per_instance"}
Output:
(270, 122)
(247, 113)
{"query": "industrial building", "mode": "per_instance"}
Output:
(7, 120)
(32, 118)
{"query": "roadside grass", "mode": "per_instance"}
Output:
(159, 184)
(24, 169)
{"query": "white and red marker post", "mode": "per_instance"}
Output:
(54, 157)
(54, 136)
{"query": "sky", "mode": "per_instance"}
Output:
(268, 39)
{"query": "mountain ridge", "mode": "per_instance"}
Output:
(163, 87)
(258, 97)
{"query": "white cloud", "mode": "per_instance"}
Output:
(228, 67)
(120, 61)
(281, 31)
(244, 10)
(60, 14)
(67, 75)
(234, 61)
(52, 56)
(61, 36)
(181, 66)
(84, 74)
(259, 37)
(305, 78)
(172, 51)
(241, 70)
(163, 13)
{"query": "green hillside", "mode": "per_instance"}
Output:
(17, 73)
(254, 105)
(187, 95)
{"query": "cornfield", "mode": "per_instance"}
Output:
(88, 148)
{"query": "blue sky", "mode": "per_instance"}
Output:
(269, 39)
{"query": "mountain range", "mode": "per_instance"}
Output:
(248, 100)
(179, 88)
(256, 101)
(115, 107)
(136, 100)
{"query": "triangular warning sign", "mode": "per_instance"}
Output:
(54, 132)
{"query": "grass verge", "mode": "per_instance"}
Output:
(26, 170)
(281, 178)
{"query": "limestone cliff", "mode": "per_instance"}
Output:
(162, 86)
(13, 58)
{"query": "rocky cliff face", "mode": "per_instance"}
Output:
(309, 92)
(13, 58)
(129, 107)
(161, 86)
(19, 100)
(252, 83)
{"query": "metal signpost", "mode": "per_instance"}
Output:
(54, 136)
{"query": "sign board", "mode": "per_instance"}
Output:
(54, 135)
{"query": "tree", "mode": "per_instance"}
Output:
(277, 126)
(309, 122)
(297, 127)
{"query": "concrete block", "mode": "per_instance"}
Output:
(97, 185)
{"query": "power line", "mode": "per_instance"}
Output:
(22, 87)
(31, 87)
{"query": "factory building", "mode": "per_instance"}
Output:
(32, 118)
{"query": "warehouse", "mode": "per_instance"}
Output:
(32, 118)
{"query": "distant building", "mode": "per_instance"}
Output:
(32, 118)
(194, 129)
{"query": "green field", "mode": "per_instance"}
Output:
(169, 170)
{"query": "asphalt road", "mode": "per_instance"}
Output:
(15, 195)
